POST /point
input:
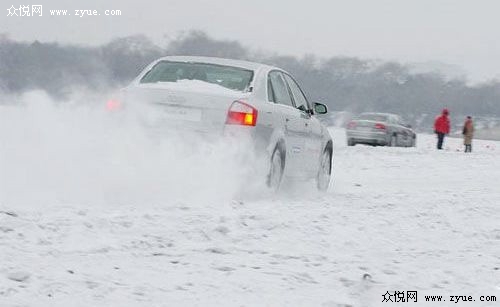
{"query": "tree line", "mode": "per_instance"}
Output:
(343, 83)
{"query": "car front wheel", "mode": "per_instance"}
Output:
(325, 170)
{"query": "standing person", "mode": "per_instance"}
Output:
(442, 127)
(468, 132)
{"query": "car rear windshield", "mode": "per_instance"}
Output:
(374, 117)
(227, 76)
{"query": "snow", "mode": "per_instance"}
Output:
(395, 219)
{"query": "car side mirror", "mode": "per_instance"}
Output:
(320, 108)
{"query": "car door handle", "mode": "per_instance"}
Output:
(307, 124)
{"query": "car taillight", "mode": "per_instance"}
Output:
(379, 126)
(351, 125)
(113, 105)
(241, 113)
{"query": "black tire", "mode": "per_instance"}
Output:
(325, 170)
(276, 169)
(350, 142)
(394, 141)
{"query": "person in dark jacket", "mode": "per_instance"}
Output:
(442, 127)
(468, 132)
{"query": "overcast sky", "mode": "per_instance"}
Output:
(464, 33)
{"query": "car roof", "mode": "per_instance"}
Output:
(218, 61)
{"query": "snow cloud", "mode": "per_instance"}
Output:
(77, 152)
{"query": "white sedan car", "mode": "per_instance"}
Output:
(217, 96)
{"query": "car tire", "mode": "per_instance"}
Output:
(325, 170)
(414, 142)
(276, 169)
(350, 142)
(394, 141)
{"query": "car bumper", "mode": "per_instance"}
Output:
(368, 137)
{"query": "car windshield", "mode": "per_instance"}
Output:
(233, 78)
(374, 117)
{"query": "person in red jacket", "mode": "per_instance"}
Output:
(442, 127)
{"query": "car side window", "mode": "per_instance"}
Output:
(298, 95)
(270, 90)
(280, 93)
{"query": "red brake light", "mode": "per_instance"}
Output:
(113, 105)
(241, 113)
(351, 125)
(379, 126)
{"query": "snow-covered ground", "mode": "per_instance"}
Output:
(395, 219)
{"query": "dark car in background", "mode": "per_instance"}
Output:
(383, 129)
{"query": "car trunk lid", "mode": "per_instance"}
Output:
(192, 105)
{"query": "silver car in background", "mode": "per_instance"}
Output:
(213, 96)
(383, 129)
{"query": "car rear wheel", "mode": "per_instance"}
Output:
(394, 141)
(350, 142)
(276, 170)
(325, 170)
